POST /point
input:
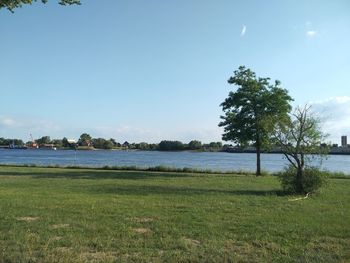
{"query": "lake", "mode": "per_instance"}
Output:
(201, 160)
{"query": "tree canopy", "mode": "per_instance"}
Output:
(13, 4)
(253, 109)
(85, 140)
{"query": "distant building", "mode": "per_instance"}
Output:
(344, 141)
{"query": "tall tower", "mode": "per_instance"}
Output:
(344, 141)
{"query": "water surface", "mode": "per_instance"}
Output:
(202, 160)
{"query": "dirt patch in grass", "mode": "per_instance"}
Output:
(191, 242)
(58, 226)
(98, 256)
(63, 249)
(56, 238)
(143, 219)
(28, 218)
(141, 230)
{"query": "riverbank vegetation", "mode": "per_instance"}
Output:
(87, 142)
(85, 215)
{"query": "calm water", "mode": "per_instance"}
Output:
(203, 160)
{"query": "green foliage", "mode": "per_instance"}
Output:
(85, 140)
(313, 179)
(7, 142)
(194, 145)
(300, 139)
(44, 140)
(12, 4)
(100, 143)
(253, 109)
(171, 146)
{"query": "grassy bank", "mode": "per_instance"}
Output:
(162, 168)
(82, 215)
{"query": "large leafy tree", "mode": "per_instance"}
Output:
(85, 140)
(300, 140)
(12, 4)
(251, 112)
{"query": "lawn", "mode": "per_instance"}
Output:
(77, 215)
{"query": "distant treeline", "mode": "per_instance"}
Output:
(87, 142)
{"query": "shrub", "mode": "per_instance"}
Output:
(313, 179)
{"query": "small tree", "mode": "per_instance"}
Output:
(300, 139)
(252, 110)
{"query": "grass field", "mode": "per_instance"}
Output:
(77, 215)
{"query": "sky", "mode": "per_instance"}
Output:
(153, 70)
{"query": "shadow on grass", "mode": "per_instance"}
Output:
(132, 189)
(144, 190)
(94, 174)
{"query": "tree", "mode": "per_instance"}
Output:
(252, 110)
(57, 143)
(85, 140)
(12, 4)
(65, 142)
(215, 145)
(171, 146)
(298, 139)
(194, 145)
(44, 140)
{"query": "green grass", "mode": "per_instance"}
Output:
(86, 215)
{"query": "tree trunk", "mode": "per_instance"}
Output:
(258, 168)
(299, 181)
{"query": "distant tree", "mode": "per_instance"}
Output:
(252, 110)
(171, 146)
(215, 145)
(108, 145)
(3, 141)
(143, 146)
(65, 142)
(195, 145)
(300, 139)
(85, 140)
(113, 142)
(44, 140)
(11, 142)
(12, 4)
(101, 143)
(153, 146)
(57, 142)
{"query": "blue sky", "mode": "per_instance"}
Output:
(152, 70)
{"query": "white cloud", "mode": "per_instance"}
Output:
(20, 127)
(7, 121)
(311, 33)
(335, 114)
(243, 31)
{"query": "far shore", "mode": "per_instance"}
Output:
(333, 150)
